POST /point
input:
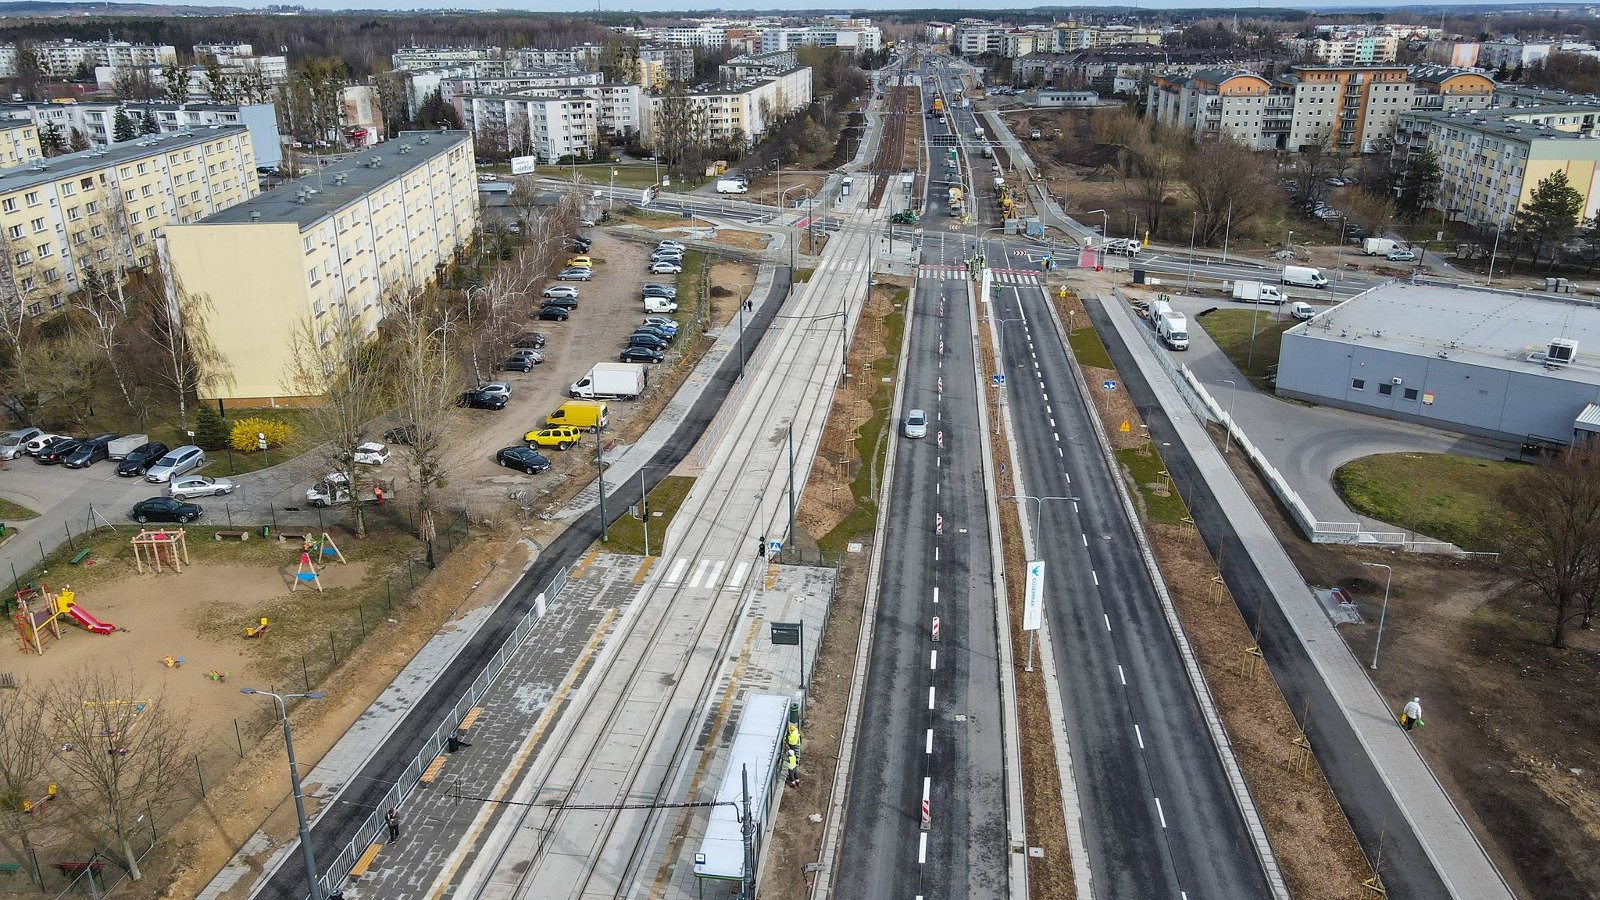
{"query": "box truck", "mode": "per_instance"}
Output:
(978, 132)
(1304, 276)
(611, 381)
(1377, 246)
(122, 446)
(1256, 292)
(1173, 329)
(732, 186)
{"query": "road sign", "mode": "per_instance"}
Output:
(786, 633)
(998, 381)
(1033, 596)
(774, 548)
(1124, 427)
(1109, 385)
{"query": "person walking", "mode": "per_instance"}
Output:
(791, 768)
(793, 737)
(393, 819)
(1411, 716)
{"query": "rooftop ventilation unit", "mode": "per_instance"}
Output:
(1561, 352)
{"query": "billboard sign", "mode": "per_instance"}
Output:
(523, 165)
(1033, 597)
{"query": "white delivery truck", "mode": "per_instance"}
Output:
(1301, 311)
(978, 132)
(660, 305)
(611, 381)
(732, 186)
(1173, 329)
(1304, 276)
(1156, 310)
(122, 446)
(1256, 292)
(1378, 246)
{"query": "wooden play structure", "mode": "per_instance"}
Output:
(160, 548)
(312, 551)
(37, 614)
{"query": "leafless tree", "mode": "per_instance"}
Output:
(104, 254)
(177, 326)
(177, 78)
(122, 748)
(333, 358)
(22, 768)
(135, 83)
(421, 342)
(1550, 538)
(1228, 186)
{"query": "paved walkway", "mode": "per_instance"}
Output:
(1450, 845)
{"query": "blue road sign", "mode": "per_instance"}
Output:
(774, 548)
(1109, 385)
(998, 381)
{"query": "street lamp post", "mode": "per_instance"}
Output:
(306, 853)
(1383, 613)
(1194, 226)
(794, 238)
(1041, 501)
(1227, 433)
(1000, 330)
(739, 335)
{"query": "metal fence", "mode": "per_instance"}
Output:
(369, 831)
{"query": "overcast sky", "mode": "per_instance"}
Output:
(657, 6)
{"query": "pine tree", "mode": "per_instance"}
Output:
(1549, 216)
(149, 125)
(1417, 185)
(122, 128)
(210, 431)
(51, 140)
(77, 142)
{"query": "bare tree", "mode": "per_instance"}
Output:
(1550, 539)
(122, 748)
(1228, 185)
(334, 359)
(427, 378)
(135, 83)
(22, 768)
(103, 252)
(177, 325)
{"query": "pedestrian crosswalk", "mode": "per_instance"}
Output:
(709, 574)
(1001, 276)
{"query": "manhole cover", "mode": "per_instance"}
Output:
(853, 547)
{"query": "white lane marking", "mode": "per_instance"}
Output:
(1060, 453)
(1096, 576)
(1160, 813)
(694, 580)
(737, 579)
(936, 462)
(676, 574)
(1138, 734)
(1047, 399)
(936, 489)
(1108, 621)
(1085, 539)
(715, 571)
(1122, 676)
(1052, 422)
(1056, 435)
(930, 696)
(927, 787)
(1069, 481)
(933, 660)
(922, 848)
(929, 744)
(936, 596)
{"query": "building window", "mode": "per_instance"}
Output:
(44, 250)
(14, 231)
(9, 205)
(143, 168)
(1358, 384)
(32, 197)
(37, 224)
(1410, 393)
(87, 183)
(21, 257)
(1386, 389)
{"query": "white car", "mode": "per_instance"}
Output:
(487, 178)
(916, 424)
(496, 389)
(372, 453)
(189, 487)
(665, 268)
(33, 446)
(670, 245)
(563, 291)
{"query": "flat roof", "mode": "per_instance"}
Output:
(1495, 329)
(395, 157)
(45, 171)
(1502, 123)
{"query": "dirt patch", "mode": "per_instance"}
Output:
(731, 282)
(795, 184)
(744, 240)
(1512, 729)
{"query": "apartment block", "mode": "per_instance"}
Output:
(334, 244)
(542, 124)
(737, 114)
(102, 210)
(974, 37)
(756, 65)
(483, 62)
(19, 142)
(60, 59)
(852, 35)
(96, 120)
(1490, 161)
(1363, 50)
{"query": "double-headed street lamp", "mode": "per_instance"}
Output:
(306, 852)
(1041, 501)
(783, 206)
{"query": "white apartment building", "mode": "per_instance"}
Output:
(479, 61)
(60, 59)
(272, 71)
(225, 48)
(738, 114)
(850, 35)
(1513, 54)
(96, 120)
(579, 56)
(756, 65)
(539, 123)
(938, 32)
(974, 37)
(453, 89)
(1363, 50)
(706, 35)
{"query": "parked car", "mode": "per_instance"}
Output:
(580, 262)
(665, 268)
(670, 326)
(532, 339)
(89, 452)
(558, 436)
(667, 256)
(477, 399)
(645, 339)
(55, 451)
(523, 458)
(1400, 254)
(404, 435)
(664, 291)
(177, 462)
(517, 364)
(553, 313)
(530, 354)
(165, 509)
(560, 290)
(40, 441)
(580, 244)
(371, 453)
(563, 302)
(15, 443)
(496, 389)
(669, 242)
(653, 330)
(638, 354)
(576, 274)
(916, 424)
(191, 486)
(141, 458)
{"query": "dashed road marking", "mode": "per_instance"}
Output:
(1122, 676)
(1139, 735)
(1161, 814)
(930, 696)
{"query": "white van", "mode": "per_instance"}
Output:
(177, 462)
(1301, 311)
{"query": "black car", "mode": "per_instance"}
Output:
(55, 451)
(579, 244)
(660, 290)
(517, 364)
(89, 452)
(638, 354)
(527, 460)
(141, 458)
(479, 399)
(638, 339)
(550, 313)
(165, 509)
(531, 340)
(652, 330)
(563, 302)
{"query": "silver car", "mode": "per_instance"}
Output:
(15, 443)
(916, 424)
(189, 487)
(180, 461)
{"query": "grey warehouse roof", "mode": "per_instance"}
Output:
(342, 183)
(44, 171)
(1494, 329)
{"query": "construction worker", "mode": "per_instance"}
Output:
(1411, 716)
(791, 768)
(794, 738)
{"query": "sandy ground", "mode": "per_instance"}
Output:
(764, 188)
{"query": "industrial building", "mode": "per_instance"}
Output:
(338, 243)
(1512, 367)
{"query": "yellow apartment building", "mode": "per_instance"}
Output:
(336, 243)
(102, 210)
(19, 142)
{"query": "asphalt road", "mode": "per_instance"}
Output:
(337, 824)
(1366, 799)
(933, 729)
(1159, 815)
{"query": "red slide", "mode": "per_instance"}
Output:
(88, 621)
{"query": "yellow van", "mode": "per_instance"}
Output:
(590, 414)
